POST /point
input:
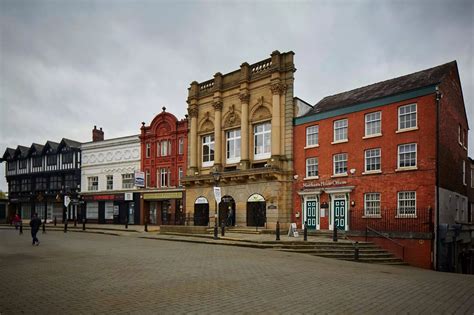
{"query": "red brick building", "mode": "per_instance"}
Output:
(164, 155)
(368, 158)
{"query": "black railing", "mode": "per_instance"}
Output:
(373, 232)
(392, 220)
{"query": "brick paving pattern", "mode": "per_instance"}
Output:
(73, 273)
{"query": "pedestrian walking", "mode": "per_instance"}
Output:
(35, 224)
(16, 221)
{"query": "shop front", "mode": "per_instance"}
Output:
(164, 208)
(111, 208)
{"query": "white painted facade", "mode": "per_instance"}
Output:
(114, 157)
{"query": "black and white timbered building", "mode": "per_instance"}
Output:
(41, 177)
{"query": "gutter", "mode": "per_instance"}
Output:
(436, 235)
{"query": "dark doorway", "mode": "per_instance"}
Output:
(227, 211)
(201, 212)
(256, 212)
(101, 212)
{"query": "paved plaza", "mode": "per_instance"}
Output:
(73, 273)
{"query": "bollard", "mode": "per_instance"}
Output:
(83, 224)
(44, 226)
(146, 225)
(278, 231)
(75, 221)
(305, 232)
(126, 222)
(54, 220)
(356, 251)
(215, 232)
(334, 235)
(21, 227)
(222, 229)
(65, 226)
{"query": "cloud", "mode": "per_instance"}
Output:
(66, 66)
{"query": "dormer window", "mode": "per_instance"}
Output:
(11, 165)
(52, 159)
(67, 157)
(37, 161)
(22, 164)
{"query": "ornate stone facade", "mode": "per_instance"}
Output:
(241, 128)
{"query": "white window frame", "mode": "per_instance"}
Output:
(233, 140)
(341, 130)
(370, 120)
(263, 151)
(180, 175)
(92, 183)
(109, 182)
(164, 177)
(147, 178)
(128, 180)
(399, 167)
(339, 158)
(312, 165)
(165, 148)
(464, 181)
(372, 204)
(312, 136)
(148, 150)
(208, 140)
(415, 112)
(402, 204)
(181, 146)
(369, 156)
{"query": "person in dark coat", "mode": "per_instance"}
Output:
(35, 224)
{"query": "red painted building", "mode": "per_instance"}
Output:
(378, 157)
(164, 155)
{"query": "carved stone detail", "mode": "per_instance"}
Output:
(232, 118)
(193, 111)
(244, 97)
(278, 88)
(218, 105)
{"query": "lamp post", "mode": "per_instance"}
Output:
(217, 178)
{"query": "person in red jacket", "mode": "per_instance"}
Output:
(16, 221)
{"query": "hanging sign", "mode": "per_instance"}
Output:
(67, 201)
(139, 179)
(217, 194)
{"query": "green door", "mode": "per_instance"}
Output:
(311, 215)
(340, 214)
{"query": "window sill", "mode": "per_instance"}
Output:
(372, 217)
(232, 161)
(406, 130)
(405, 216)
(311, 146)
(339, 175)
(403, 169)
(371, 172)
(207, 164)
(261, 157)
(311, 178)
(372, 136)
(340, 141)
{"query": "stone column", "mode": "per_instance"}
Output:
(244, 131)
(193, 113)
(217, 134)
(277, 90)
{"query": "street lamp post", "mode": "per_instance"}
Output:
(217, 178)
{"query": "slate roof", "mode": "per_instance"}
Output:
(71, 143)
(23, 151)
(9, 153)
(378, 90)
(37, 147)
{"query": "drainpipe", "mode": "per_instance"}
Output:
(436, 246)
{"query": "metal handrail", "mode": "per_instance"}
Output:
(367, 228)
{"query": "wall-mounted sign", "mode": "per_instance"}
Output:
(103, 197)
(325, 183)
(163, 195)
(139, 179)
(128, 196)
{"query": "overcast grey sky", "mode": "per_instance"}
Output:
(66, 66)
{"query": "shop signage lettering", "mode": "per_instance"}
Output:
(325, 184)
(164, 195)
(104, 197)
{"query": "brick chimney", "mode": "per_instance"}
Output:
(97, 134)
